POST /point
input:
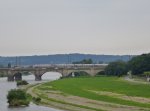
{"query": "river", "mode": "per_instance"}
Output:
(6, 86)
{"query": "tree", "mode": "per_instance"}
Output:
(147, 74)
(117, 68)
(22, 82)
(139, 64)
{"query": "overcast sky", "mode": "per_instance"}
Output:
(33, 27)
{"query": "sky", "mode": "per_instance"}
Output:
(39, 27)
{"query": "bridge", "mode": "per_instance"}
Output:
(15, 73)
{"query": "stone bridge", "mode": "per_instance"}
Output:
(16, 72)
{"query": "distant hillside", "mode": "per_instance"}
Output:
(61, 59)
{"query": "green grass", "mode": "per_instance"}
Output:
(80, 87)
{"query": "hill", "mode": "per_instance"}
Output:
(61, 59)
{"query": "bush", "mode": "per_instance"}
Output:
(17, 97)
(80, 73)
(36, 99)
(23, 82)
(100, 73)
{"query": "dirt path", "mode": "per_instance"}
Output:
(93, 103)
(52, 104)
(122, 96)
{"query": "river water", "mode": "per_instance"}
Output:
(6, 86)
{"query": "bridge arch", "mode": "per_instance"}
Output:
(78, 73)
(90, 72)
(51, 75)
(18, 75)
(40, 74)
(14, 76)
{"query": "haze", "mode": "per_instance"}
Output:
(33, 27)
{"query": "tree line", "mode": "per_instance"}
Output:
(137, 66)
(84, 61)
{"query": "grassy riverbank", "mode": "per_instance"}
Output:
(95, 93)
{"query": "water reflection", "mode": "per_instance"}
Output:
(6, 86)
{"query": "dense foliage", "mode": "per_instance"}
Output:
(147, 73)
(140, 64)
(117, 68)
(36, 99)
(137, 65)
(17, 97)
(23, 82)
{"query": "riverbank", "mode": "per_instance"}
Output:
(93, 94)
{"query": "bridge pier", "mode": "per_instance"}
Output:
(38, 77)
(18, 76)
